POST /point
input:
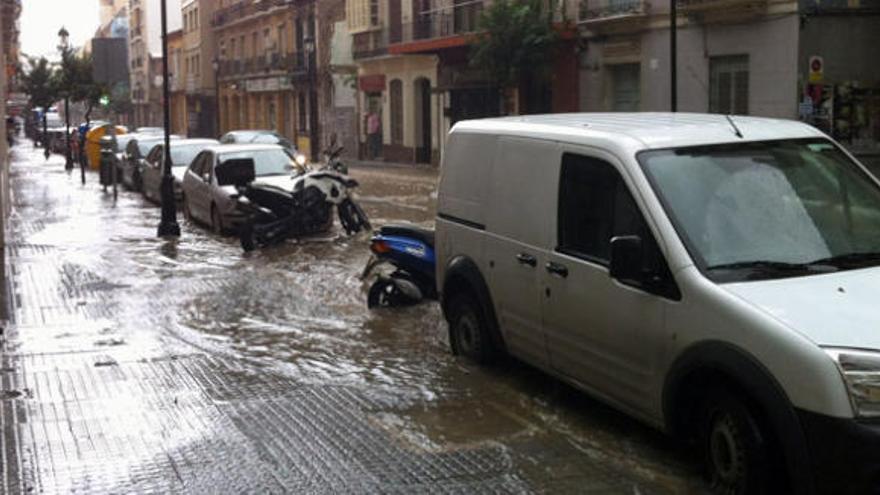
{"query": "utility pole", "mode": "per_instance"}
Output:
(673, 54)
(168, 227)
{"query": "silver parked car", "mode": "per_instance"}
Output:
(182, 153)
(204, 200)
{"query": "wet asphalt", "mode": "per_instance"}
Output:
(132, 363)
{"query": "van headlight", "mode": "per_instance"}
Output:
(861, 372)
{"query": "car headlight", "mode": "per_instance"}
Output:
(300, 159)
(861, 372)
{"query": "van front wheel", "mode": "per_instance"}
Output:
(734, 447)
(468, 331)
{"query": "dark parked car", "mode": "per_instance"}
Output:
(132, 163)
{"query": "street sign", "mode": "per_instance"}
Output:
(817, 69)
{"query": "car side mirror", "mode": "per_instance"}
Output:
(626, 258)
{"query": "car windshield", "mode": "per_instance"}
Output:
(182, 155)
(145, 146)
(122, 140)
(769, 209)
(266, 162)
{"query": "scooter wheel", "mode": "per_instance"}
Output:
(383, 294)
(246, 236)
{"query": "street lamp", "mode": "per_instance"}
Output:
(168, 227)
(64, 48)
(216, 65)
(311, 61)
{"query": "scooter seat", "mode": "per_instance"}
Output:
(411, 231)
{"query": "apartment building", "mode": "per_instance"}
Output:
(199, 54)
(145, 56)
(414, 72)
(10, 10)
(737, 56)
(177, 78)
(276, 70)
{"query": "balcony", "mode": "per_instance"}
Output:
(613, 15)
(245, 9)
(738, 8)
(293, 63)
(437, 30)
(370, 44)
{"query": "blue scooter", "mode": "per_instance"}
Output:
(410, 250)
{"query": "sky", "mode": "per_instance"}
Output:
(42, 19)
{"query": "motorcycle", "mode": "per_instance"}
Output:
(410, 251)
(274, 215)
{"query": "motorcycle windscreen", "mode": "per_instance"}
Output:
(235, 172)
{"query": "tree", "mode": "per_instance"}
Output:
(40, 83)
(516, 43)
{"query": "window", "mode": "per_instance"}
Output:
(594, 206)
(301, 106)
(729, 84)
(396, 96)
(232, 52)
(626, 84)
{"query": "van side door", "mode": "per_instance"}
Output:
(517, 235)
(604, 334)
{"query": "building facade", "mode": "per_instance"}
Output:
(738, 57)
(145, 56)
(177, 83)
(199, 53)
(10, 10)
(276, 69)
(414, 73)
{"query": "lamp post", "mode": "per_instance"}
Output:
(216, 65)
(673, 54)
(168, 227)
(311, 61)
(64, 48)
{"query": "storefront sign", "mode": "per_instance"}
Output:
(817, 69)
(372, 84)
(268, 84)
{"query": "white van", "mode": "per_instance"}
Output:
(715, 277)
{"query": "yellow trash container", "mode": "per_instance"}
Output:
(93, 143)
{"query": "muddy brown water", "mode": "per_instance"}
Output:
(300, 309)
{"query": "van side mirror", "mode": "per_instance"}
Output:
(626, 258)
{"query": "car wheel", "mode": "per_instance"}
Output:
(735, 449)
(468, 329)
(216, 221)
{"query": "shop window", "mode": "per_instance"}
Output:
(729, 84)
(396, 101)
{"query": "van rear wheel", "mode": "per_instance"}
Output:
(468, 330)
(735, 449)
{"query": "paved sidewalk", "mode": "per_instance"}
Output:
(120, 373)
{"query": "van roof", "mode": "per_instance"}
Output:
(651, 130)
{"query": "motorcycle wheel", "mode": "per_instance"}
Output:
(383, 294)
(247, 238)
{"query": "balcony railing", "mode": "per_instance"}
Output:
(370, 44)
(244, 8)
(720, 5)
(458, 20)
(275, 62)
(599, 10)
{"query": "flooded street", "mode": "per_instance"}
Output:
(266, 372)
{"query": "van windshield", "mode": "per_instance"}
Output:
(769, 209)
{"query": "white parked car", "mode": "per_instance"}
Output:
(206, 201)
(714, 277)
(183, 151)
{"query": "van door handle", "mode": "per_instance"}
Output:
(527, 259)
(557, 269)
